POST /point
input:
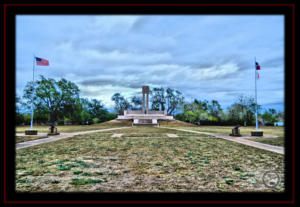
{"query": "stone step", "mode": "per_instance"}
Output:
(145, 121)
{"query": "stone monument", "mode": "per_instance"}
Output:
(52, 130)
(145, 91)
(236, 131)
(145, 116)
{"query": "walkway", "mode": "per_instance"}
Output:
(241, 140)
(59, 137)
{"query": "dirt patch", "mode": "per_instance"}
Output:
(172, 135)
(117, 135)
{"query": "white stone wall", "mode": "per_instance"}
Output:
(134, 112)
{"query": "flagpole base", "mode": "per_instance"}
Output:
(257, 133)
(31, 132)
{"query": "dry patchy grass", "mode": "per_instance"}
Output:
(77, 128)
(279, 141)
(273, 130)
(175, 123)
(28, 138)
(145, 159)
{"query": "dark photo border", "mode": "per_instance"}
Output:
(9, 195)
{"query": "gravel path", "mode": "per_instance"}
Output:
(241, 140)
(59, 137)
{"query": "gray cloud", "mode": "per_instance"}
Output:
(209, 57)
(112, 82)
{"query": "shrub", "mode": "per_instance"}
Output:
(96, 120)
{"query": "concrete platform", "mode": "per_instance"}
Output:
(141, 119)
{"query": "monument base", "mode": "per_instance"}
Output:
(257, 133)
(145, 122)
(52, 134)
(31, 132)
(235, 133)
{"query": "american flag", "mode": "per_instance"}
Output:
(41, 61)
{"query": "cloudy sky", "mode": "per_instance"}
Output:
(203, 56)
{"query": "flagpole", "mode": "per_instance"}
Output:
(31, 122)
(255, 93)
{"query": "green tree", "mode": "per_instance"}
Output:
(194, 113)
(243, 110)
(202, 104)
(54, 97)
(158, 99)
(269, 117)
(214, 109)
(19, 115)
(173, 99)
(136, 103)
(121, 103)
(97, 110)
(280, 116)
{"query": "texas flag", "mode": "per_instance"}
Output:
(257, 66)
(41, 61)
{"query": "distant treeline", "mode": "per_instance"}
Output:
(200, 112)
(59, 102)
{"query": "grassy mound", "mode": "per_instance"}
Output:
(116, 123)
(174, 123)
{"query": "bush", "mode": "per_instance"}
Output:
(96, 120)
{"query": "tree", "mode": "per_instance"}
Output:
(243, 110)
(168, 99)
(214, 109)
(79, 112)
(269, 117)
(53, 97)
(194, 113)
(173, 99)
(136, 103)
(96, 109)
(280, 116)
(19, 115)
(203, 104)
(121, 103)
(234, 113)
(158, 99)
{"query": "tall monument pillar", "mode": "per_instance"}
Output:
(143, 107)
(147, 108)
(145, 90)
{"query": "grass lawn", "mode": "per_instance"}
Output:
(28, 138)
(273, 130)
(76, 128)
(145, 159)
(279, 141)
